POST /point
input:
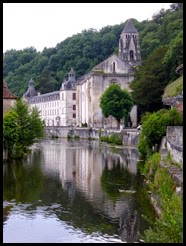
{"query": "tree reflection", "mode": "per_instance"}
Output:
(22, 181)
(117, 178)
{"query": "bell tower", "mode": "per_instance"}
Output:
(129, 48)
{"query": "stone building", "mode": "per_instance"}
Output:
(8, 98)
(57, 108)
(77, 102)
(117, 69)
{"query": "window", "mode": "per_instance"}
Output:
(62, 96)
(131, 55)
(74, 115)
(114, 67)
(74, 107)
(74, 96)
(113, 81)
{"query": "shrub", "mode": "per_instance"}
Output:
(84, 125)
(154, 127)
(113, 138)
(169, 227)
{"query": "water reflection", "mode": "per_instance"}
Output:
(77, 183)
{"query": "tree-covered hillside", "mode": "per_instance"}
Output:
(86, 49)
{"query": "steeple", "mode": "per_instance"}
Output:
(31, 92)
(70, 83)
(129, 48)
(71, 75)
(129, 27)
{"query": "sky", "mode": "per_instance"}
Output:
(47, 24)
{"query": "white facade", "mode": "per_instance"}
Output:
(57, 108)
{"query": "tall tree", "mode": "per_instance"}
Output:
(150, 80)
(21, 127)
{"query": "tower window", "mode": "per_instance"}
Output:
(131, 55)
(114, 66)
(74, 96)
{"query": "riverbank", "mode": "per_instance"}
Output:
(164, 182)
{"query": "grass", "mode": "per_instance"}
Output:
(174, 89)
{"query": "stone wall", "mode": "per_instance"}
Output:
(7, 104)
(129, 136)
(174, 138)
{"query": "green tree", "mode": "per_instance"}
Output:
(116, 102)
(10, 132)
(150, 80)
(46, 81)
(22, 126)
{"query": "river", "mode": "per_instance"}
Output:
(75, 191)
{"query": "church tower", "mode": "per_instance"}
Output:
(129, 48)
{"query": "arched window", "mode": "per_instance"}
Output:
(131, 55)
(114, 67)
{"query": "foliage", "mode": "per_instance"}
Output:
(90, 47)
(169, 227)
(113, 138)
(84, 125)
(10, 131)
(175, 88)
(116, 102)
(21, 127)
(154, 128)
(150, 80)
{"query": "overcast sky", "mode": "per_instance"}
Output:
(46, 24)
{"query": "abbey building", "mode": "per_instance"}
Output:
(77, 101)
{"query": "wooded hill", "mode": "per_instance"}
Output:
(84, 50)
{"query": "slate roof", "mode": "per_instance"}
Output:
(7, 94)
(129, 28)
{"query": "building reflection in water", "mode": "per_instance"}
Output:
(80, 166)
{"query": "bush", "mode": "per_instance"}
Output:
(113, 138)
(154, 127)
(84, 125)
(169, 227)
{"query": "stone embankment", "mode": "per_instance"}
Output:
(129, 135)
(171, 144)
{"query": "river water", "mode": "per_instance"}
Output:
(74, 191)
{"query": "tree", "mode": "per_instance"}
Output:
(10, 132)
(22, 126)
(116, 102)
(150, 80)
(46, 81)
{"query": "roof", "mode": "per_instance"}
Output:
(129, 28)
(7, 94)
